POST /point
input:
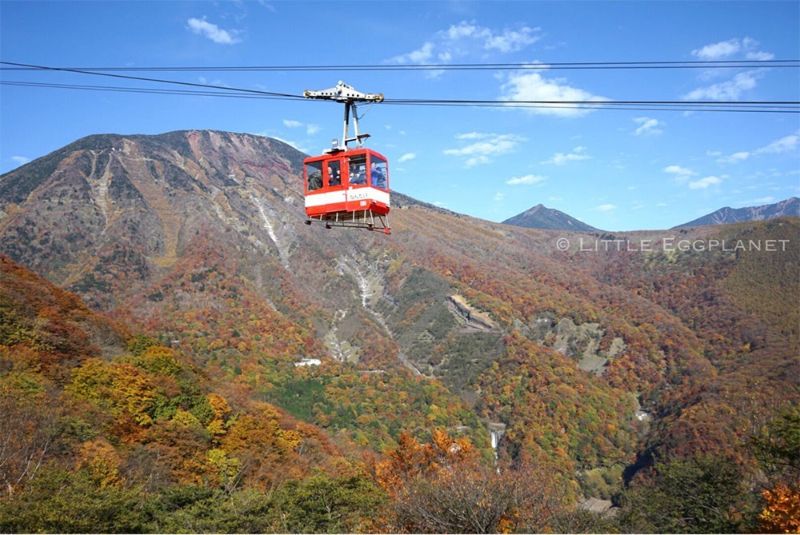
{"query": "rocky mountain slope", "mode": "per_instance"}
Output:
(197, 238)
(543, 217)
(786, 208)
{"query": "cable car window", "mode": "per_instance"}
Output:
(314, 175)
(334, 173)
(379, 171)
(358, 170)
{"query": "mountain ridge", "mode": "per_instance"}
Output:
(786, 208)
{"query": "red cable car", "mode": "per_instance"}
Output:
(347, 187)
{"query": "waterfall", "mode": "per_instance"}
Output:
(496, 431)
(495, 438)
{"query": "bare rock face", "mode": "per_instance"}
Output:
(581, 342)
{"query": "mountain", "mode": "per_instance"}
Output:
(594, 363)
(548, 218)
(786, 208)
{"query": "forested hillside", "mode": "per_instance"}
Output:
(233, 369)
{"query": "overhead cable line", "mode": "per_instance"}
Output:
(634, 105)
(156, 80)
(573, 65)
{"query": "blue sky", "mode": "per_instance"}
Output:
(619, 170)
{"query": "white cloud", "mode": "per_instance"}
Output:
(779, 146)
(311, 129)
(212, 31)
(719, 50)
(561, 158)
(681, 174)
(736, 157)
(732, 47)
(606, 207)
(729, 90)
(499, 196)
(20, 160)
(407, 157)
(784, 144)
(421, 55)
(526, 180)
(760, 56)
(292, 144)
(473, 135)
(647, 126)
(469, 39)
(485, 146)
(477, 160)
(511, 40)
(703, 183)
(532, 86)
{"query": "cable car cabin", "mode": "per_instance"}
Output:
(348, 189)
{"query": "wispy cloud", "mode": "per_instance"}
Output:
(728, 90)
(291, 143)
(608, 207)
(736, 157)
(485, 146)
(526, 180)
(745, 48)
(499, 196)
(716, 51)
(647, 126)
(785, 144)
(20, 160)
(533, 87)
(705, 182)
(732, 47)
(562, 158)
(421, 55)
(311, 129)
(469, 39)
(681, 174)
(407, 157)
(212, 31)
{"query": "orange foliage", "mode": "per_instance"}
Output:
(101, 460)
(412, 459)
(781, 514)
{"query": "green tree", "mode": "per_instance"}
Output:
(66, 502)
(321, 504)
(699, 495)
(777, 447)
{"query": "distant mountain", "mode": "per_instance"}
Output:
(541, 216)
(788, 207)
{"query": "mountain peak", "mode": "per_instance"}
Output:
(540, 216)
